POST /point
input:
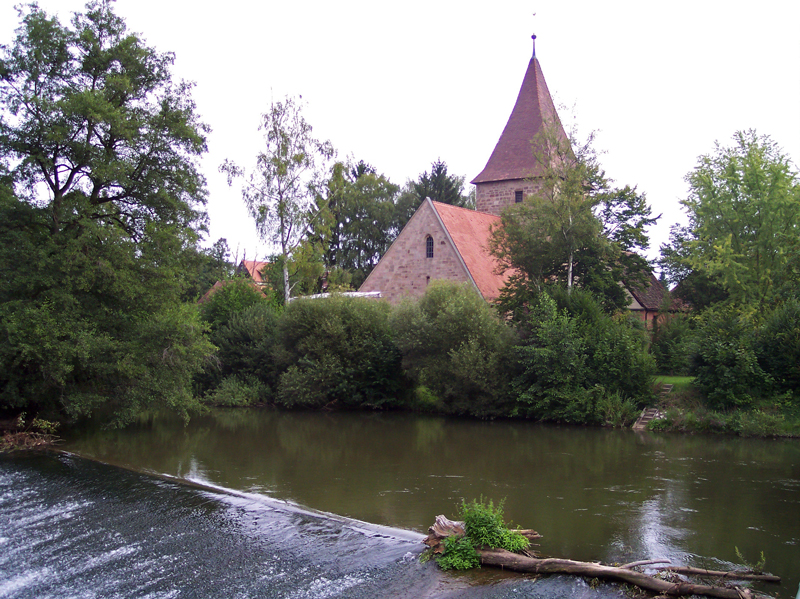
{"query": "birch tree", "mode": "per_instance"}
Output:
(280, 191)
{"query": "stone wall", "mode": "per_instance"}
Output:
(492, 197)
(405, 271)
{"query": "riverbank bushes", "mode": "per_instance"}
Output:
(448, 353)
(740, 359)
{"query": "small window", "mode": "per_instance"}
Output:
(517, 197)
(429, 247)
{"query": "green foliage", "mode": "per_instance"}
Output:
(245, 354)
(571, 358)
(617, 411)
(485, 526)
(205, 267)
(550, 384)
(238, 391)
(92, 114)
(439, 186)
(726, 365)
(778, 347)
(742, 236)
(337, 351)
(93, 320)
(357, 225)
(672, 344)
(453, 344)
(232, 297)
(459, 554)
(105, 204)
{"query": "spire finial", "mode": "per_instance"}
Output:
(533, 37)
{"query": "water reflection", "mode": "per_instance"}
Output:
(593, 494)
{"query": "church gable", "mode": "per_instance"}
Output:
(470, 232)
(423, 252)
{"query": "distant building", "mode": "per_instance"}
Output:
(250, 269)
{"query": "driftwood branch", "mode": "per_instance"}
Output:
(735, 575)
(520, 563)
(530, 564)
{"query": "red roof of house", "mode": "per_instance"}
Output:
(513, 156)
(470, 232)
(253, 268)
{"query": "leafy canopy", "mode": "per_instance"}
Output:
(104, 200)
(743, 235)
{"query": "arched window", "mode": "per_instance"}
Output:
(429, 247)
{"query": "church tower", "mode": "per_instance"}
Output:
(512, 169)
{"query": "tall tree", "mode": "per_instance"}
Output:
(280, 191)
(744, 222)
(360, 206)
(440, 186)
(105, 201)
(575, 229)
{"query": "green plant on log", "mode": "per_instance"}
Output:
(757, 568)
(485, 527)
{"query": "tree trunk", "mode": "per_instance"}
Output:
(520, 563)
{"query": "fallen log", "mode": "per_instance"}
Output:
(531, 565)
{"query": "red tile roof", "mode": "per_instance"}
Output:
(470, 232)
(513, 156)
(253, 269)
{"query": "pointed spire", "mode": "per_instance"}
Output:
(513, 157)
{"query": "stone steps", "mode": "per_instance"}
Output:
(649, 414)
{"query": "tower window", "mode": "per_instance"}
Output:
(517, 197)
(429, 247)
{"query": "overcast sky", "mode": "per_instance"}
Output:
(402, 84)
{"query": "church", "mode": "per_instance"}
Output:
(447, 242)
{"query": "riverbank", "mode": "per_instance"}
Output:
(684, 411)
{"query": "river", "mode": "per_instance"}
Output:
(261, 503)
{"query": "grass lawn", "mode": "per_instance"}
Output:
(678, 382)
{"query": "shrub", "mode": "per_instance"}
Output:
(567, 362)
(238, 391)
(246, 347)
(232, 297)
(617, 358)
(454, 344)
(337, 350)
(484, 527)
(726, 365)
(615, 410)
